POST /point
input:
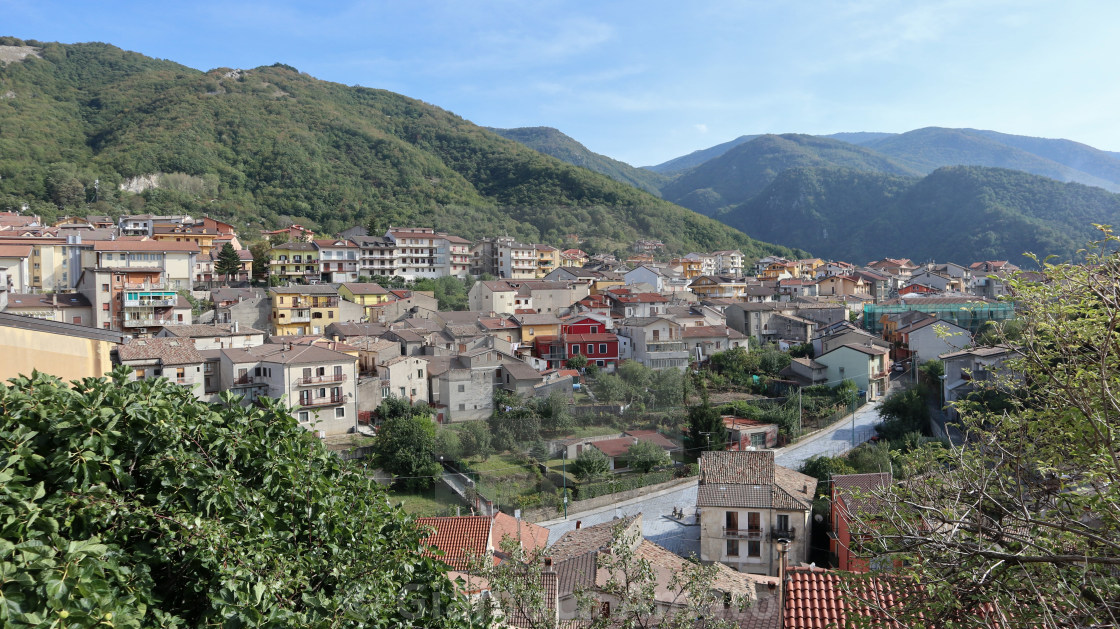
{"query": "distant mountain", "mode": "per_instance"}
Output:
(960, 213)
(271, 145)
(858, 137)
(695, 158)
(552, 142)
(745, 170)
(928, 149)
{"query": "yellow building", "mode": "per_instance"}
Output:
(573, 258)
(534, 325)
(369, 294)
(201, 236)
(294, 261)
(548, 259)
(68, 351)
(780, 271)
(690, 268)
(303, 309)
(718, 287)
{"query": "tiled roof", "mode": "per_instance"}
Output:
(816, 599)
(335, 243)
(655, 437)
(145, 245)
(872, 350)
(704, 331)
(57, 300)
(531, 536)
(365, 288)
(586, 539)
(854, 490)
(305, 289)
(279, 353)
(577, 572)
(748, 468)
(15, 251)
(203, 331)
(457, 538)
(734, 495)
(168, 351)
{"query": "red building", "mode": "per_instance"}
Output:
(601, 349)
(852, 500)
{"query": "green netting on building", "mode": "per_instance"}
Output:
(971, 315)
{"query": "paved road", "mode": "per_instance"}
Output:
(658, 525)
(834, 440)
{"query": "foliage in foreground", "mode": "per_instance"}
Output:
(1023, 522)
(132, 504)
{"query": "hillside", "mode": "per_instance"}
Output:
(927, 149)
(271, 145)
(959, 213)
(745, 170)
(552, 142)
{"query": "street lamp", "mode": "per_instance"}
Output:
(565, 475)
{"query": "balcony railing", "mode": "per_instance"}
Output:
(777, 534)
(742, 533)
(309, 380)
(143, 323)
(665, 347)
(300, 316)
(322, 401)
(242, 381)
(151, 302)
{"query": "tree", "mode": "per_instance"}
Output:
(229, 263)
(644, 456)
(513, 422)
(555, 415)
(260, 249)
(448, 446)
(406, 445)
(133, 504)
(475, 438)
(705, 429)
(590, 464)
(579, 361)
(1024, 519)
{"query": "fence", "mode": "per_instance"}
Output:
(586, 491)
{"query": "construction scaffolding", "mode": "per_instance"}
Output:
(967, 314)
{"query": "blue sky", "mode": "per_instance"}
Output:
(648, 81)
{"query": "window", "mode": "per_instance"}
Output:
(732, 548)
(340, 411)
(419, 372)
(602, 348)
(600, 363)
(139, 373)
(307, 373)
(78, 320)
(782, 523)
(575, 350)
(105, 307)
(462, 407)
(304, 416)
(731, 520)
(758, 439)
(304, 398)
(754, 521)
(605, 609)
(322, 392)
(462, 388)
(180, 374)
(754, 548)
(594, 329)
(590, 348)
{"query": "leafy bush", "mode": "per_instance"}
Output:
(590, 464)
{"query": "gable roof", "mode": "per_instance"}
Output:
(169, 351)
(853, 490)
(456, 538)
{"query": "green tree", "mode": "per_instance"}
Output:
(448, 445)
(1024, 519)
(705, 429)
(644, 456)
(406, 444)
(133, 504)
(475, 439)
(229, 263)
(513, 422)
(260, 249)
(579, 361)
(590, 465)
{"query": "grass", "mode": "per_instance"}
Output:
(437, 501)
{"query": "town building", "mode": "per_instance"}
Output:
(66, 350)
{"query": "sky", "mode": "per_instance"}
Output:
(646, 81)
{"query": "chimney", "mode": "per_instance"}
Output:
(783, 571)
(54, 299)
(548, 564)
(579, 523)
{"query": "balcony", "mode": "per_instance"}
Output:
(310, 380)
(143, 323)
(243, 381)
(742, 533)
(776, 534)
(146, 286)
(152, 301)
(300, 316)
(333, 400)
(665, 347)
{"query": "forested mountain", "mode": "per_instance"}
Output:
(695, 158)
(745, 170)
(927, 149)
(960, 213)
(552, 142)
(272, 145)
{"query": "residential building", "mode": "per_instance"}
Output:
(852, 506)
(537, 325)
(930, 337)
(338, 260)
(15, 265)
(573, 258)
(690, 268)
(405, 377)
(749, 434)
(729, 262)
(967, 311)
(867, 365)
(247, 307)
(369, 295)
(509, 296)
(216, 335)
(462, 386)
(65, 350)
(205, 267)
(63, 307)
(54, 264)
(295, 261)
(455, 539)
(292, 233)
(377, 255)
(420, 252)
(835, 285)
(656, 342)
(754, 319)
(173, 358)
(198, 234)
(964, 369)
(138, 300)
(747, 504)
(702, 341)
(300, 309)
(548, 259)
(645, 274)
(625, 303)
(617, 449)
(318, 382)
(719, 287)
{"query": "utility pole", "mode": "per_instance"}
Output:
(565, 468)
(799, 412)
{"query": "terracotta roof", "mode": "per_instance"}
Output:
(168, 351)
(334, 243)
(655, 437)
(305, 289)
(64, 300)
(873, 350)
(203, 331)
(15, 251)
(816, 598)
(588, 538)
(365, 288)
(458, 537)
(278, 353)
(704, 331)
(530, 536)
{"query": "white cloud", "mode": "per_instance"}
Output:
(702, 128)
